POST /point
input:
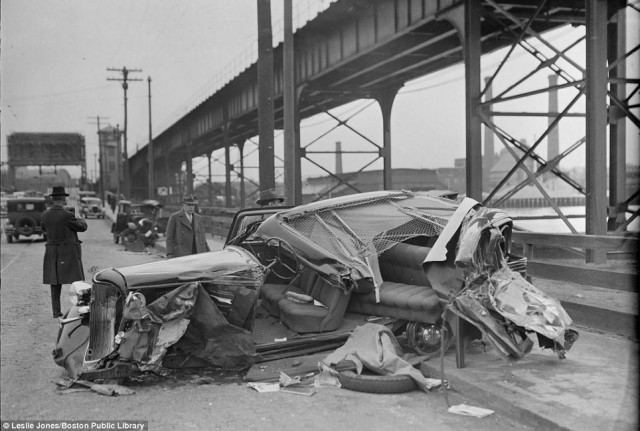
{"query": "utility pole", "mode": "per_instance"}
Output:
(125, 80)
(100, 156)
(150, 167)
(119, 164)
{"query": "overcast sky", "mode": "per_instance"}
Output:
(55, 56)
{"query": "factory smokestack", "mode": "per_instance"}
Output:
(338, 158)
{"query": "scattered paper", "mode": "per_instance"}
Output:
(264, 387)
(327, 377)
(465, 410)
(432, 383)
(299, 390)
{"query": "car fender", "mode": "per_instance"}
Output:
(73, 337)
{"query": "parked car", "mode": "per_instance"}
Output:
(294, 281)
(24, 217)
(91, 207)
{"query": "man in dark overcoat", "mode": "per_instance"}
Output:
(186, 231)
(63, 253)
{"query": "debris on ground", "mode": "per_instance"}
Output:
(466, 410)
(102, 389)
(299, 385)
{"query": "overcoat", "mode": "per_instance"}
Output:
(63, 252)
(180, 234)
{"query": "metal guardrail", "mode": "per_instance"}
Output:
(600, 275)
(581, 273)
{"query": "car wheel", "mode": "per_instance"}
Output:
(26, 226)
(9, 239)
(376, 384)
(428, 338)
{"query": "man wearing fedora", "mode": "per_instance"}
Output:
(185, 230)
(269, 198)
(63, 253)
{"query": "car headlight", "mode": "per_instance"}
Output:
(80, 293)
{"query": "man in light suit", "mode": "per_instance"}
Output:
(185, 230)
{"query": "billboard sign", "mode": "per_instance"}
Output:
(45, 149)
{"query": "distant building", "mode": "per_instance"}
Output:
(109, 138)
(505, 162)
(368, 181)
(39, 180)
(454, 178)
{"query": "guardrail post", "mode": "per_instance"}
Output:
(527, 250)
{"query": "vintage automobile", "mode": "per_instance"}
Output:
(129, 212)
(24, 216)
(292, 281)
(91, 207)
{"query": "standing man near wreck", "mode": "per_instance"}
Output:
(63, 253)
(185, 230)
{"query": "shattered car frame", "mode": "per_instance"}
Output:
(295, 281)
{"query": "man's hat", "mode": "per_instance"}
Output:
(189, 199)
(267, 196)
(58, 191)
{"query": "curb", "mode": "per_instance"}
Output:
(488, 399)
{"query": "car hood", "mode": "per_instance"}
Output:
(232, 261)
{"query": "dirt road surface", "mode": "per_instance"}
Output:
(201, 400)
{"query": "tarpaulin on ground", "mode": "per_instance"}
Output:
(375, 347)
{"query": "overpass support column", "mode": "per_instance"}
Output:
(243, 193)
(617, 121)
(471, 48)
(265, 97)
(596, 123)
(227, 161)
(385, 100)
(209, 183)
(189, 185)
(227, 175)
(297, 148)
(290, 171)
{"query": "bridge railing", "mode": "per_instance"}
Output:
(579, 272)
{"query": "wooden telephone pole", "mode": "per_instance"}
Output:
(125, 85)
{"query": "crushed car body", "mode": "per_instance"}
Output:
(295, 281)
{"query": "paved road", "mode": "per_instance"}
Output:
(178, 401)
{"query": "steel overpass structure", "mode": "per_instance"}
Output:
(368, 49)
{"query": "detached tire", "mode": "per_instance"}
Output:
(376, 384)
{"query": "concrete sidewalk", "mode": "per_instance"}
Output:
(594, 388)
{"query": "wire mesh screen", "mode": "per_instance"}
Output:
(374, 224)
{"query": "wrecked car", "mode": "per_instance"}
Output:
(296, 281)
